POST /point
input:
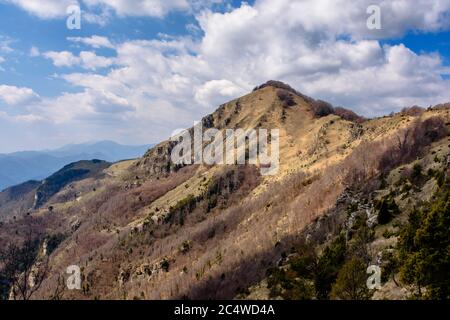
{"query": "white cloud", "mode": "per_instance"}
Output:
(62, 58)
(101, 19)
(246, 47)
(51, 9)
(321, 47)
(44, 9)
(215, 92)
(12, 95)
(86, 59)
(89, 60)
(94, 41)
(153, 8)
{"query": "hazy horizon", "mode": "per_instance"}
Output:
(87, 143)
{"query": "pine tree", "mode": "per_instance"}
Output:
(351, 281)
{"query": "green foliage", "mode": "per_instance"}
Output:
(303, 265)
(390, 265)
(288, 285)
(358, 244)
(53, 241)
(388, 233)
(328, 267)
(425, 248)
(181, 209)
(440, 178)
(387, 209)
(351, 281)
(383, 181)
(165, 265)
(416, 174)
(352, 208)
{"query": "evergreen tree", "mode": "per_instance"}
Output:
(425, 249)
(351, 281)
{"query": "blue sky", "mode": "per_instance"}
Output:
(138, 70)
(25, 31)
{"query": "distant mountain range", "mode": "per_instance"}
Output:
(22, 166)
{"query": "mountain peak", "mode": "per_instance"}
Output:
(284, 86)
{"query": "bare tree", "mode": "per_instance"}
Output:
(60, 289)
(23, 268)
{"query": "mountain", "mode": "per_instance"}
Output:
(349, 193)
(70, 173)
(19, 200)
(19, 167)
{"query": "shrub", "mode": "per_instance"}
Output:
(414, 111)
(417, 171)
(348, 115)
(351, 281)
(286, 98)
(322, 108)
(328, 267)
(165, 265)
(288, 285)
(54, 241)
(387, 209)
(389, 266)
(185, 247)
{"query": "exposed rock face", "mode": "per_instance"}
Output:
(157, 162)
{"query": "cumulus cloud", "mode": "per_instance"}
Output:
(12, 95)
(45, 9)
(62, 58)
(247, 46)
(215, 92)
(86, 59)
(151, 87)
(94, 41)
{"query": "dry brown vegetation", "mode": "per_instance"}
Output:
(148, 229)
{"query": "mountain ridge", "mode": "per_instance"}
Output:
(148, 229)
(18, 167)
